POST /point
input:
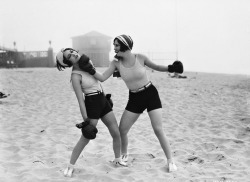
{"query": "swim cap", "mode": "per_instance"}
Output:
(59, 58)
(126, 40)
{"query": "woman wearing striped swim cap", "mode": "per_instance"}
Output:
(143, 95)
(125, 42)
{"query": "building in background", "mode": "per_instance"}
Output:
(12, 58)
(95, 45)
(36, 58)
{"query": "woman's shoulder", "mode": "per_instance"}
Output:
(76, 75)
(80, 73)
(140, 56)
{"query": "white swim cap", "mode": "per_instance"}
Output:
(59, 58)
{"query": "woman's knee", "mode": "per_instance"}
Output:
(123, 131)
(114, 130)
(116, 133)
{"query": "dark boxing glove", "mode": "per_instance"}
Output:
(89, 132)
(108, 96)
(116, 74)
(176, 67)
(86, 65)
(117, 57)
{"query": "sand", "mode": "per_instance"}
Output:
(206, 119)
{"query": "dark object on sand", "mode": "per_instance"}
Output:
(177, 75)
(2, 95)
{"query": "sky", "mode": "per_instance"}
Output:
(206, 35)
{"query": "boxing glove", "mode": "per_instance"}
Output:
(176, 67)
(89, 132)
(86, 65)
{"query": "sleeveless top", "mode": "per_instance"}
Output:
(136, 76)
(88, 83)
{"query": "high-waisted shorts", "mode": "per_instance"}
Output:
(97, 106)
(147, 99)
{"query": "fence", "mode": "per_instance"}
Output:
(27, 59)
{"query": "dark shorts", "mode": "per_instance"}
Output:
(147, 99)
(97, 106)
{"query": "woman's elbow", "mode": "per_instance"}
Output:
(104, 78)
(101, 79)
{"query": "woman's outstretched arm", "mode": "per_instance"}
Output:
(107, 73)
(175, 67)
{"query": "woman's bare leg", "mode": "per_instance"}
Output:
(80, 145)
(156, 122)
(127, 120)
(110, 121)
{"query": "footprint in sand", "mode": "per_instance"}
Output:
(195, 159)
(245, 132)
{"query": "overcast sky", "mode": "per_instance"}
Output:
(206, 35)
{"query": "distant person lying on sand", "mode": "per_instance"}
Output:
(177, 75)
(92, 108)
(2, 95)
(142, 93)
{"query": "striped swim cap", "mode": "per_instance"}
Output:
(126, 40)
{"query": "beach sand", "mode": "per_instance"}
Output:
(206, 118)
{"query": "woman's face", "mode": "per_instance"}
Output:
(71, 55)
(117, 46)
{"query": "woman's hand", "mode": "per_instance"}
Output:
(83, 124)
